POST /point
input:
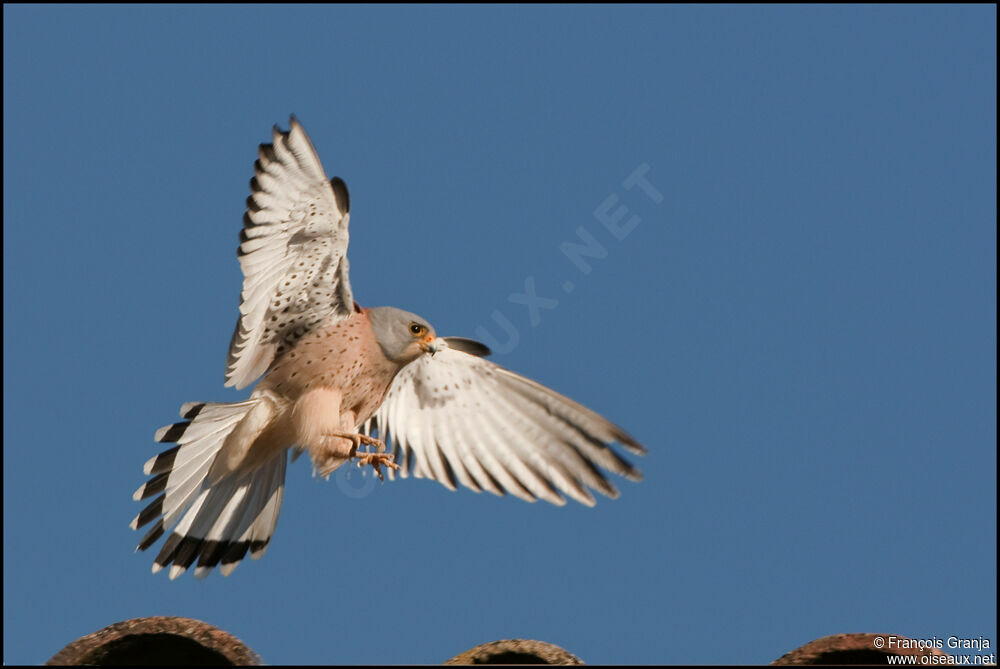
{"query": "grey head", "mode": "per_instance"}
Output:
(402, 336)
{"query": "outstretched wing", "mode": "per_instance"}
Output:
(293, 254)
(458, 418)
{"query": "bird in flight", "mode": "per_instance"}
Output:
(334, 374)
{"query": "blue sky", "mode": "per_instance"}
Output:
(802, 329)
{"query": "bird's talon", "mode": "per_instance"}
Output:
(376, 460)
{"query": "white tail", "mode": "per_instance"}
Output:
(223, 520)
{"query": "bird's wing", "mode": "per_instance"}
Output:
(293, 254)
(458, 418)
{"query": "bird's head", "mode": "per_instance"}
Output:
(402, 336)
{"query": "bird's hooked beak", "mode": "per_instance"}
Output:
(431, 344)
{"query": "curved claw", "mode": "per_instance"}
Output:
(376, 460)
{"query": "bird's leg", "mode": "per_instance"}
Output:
(370, 441)
(318, 424)
(358, 439)
(329, 452)
(376, 459)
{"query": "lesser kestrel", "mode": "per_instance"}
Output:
(334, 375)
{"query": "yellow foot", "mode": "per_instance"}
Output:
(376, 460)
(370, 441)
(359, 439)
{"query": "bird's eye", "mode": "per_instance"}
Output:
(417, 329)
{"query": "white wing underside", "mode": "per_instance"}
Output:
(293, 254)
(457, 418)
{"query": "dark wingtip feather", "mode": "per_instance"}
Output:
(470, 346)
(266, 151)
(155, 533)
(164, 462)
(628, 442)
(211, 553)
(152, 511)
(341, 193)
(257, 547)
(154, 486)
(235, 552)
(192, 409)
(187, 551)
(247, 225)
(171, 433)
(629, 470)
(166, 554)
